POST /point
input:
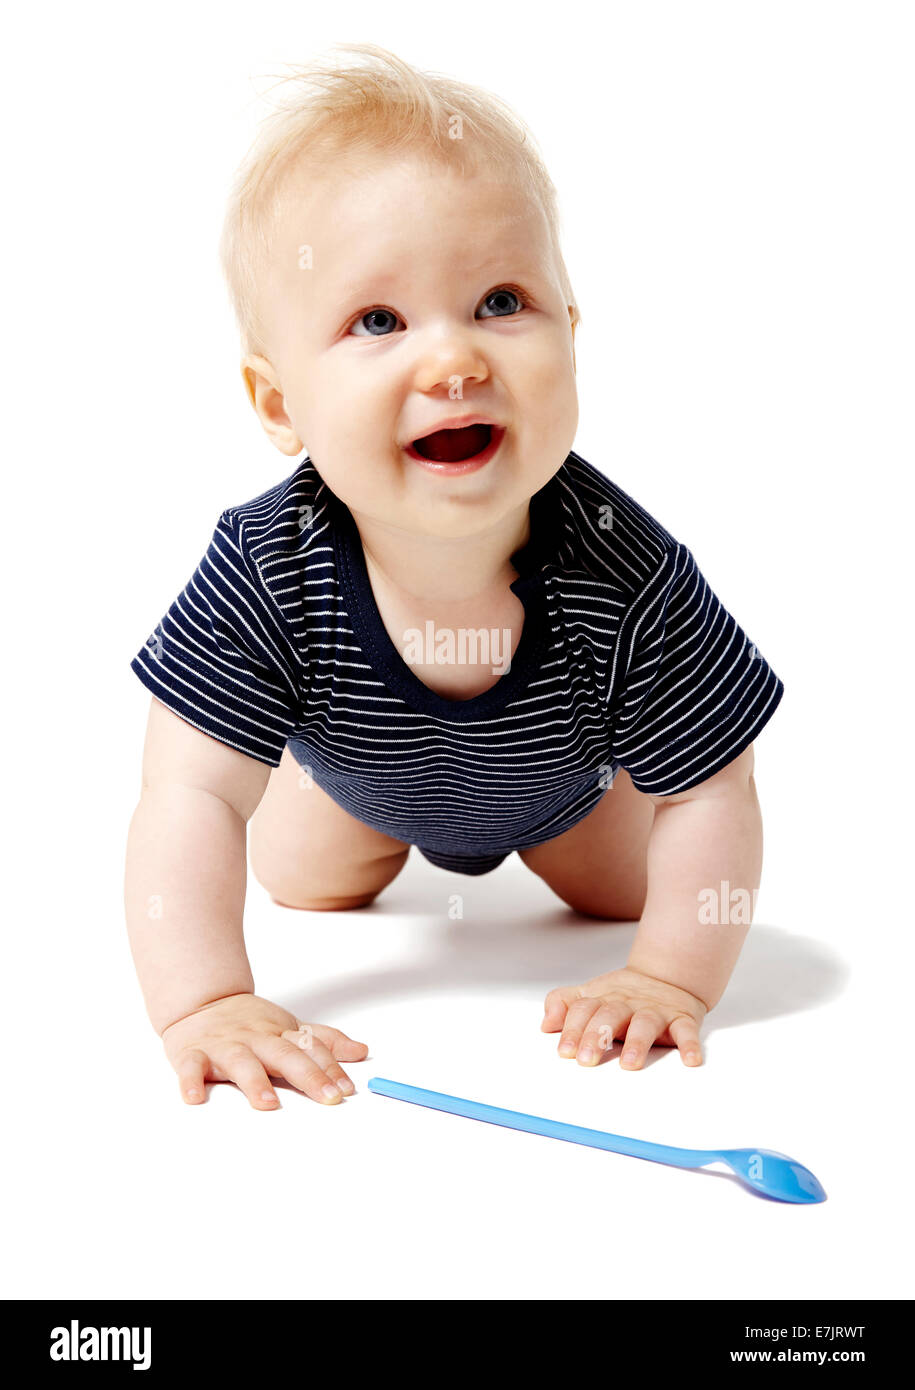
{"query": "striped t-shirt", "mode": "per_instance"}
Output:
(626, 659)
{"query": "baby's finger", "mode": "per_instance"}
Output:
(192, 1067)
(555, 1006)
(240, 1065)
(685, 1033)
(305, 1069)
(346, 1048)
(646, 1026)
(578, 1016)
(600, 1032)
(306, 1039)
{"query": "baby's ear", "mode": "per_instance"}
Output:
(251, 368)
(266, 396)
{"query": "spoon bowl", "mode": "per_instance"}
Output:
(774, 1174)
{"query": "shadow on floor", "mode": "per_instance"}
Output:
(507, 929)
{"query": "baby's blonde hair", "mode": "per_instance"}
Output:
(381, 106)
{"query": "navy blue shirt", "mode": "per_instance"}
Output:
(626, 659)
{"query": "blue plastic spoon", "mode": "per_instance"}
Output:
(774, 1174)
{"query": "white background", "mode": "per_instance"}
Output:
(736, 192)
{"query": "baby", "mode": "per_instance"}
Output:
(445, 628)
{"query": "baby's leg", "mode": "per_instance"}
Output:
(600, 866)
(308, 852)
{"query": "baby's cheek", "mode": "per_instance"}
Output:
(552, 402)
(550, 377)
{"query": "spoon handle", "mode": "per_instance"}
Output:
(536, 1124)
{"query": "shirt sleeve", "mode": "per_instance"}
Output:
(689, 690)
(220, 657)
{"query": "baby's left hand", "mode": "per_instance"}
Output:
(591, 1015)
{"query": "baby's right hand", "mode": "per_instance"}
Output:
(243, 1037)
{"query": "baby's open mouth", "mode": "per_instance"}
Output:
(454, 446)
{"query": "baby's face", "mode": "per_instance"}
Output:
(406, 311)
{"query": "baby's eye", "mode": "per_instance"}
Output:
(501, 301)
(378, 323)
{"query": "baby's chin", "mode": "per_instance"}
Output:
(440, 506)
(430, 507)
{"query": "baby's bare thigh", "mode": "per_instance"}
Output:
(600, 866)
(309, 852)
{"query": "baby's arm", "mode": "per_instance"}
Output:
(683, 954)
(184, 899)
(703, 840)
(186, 868)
